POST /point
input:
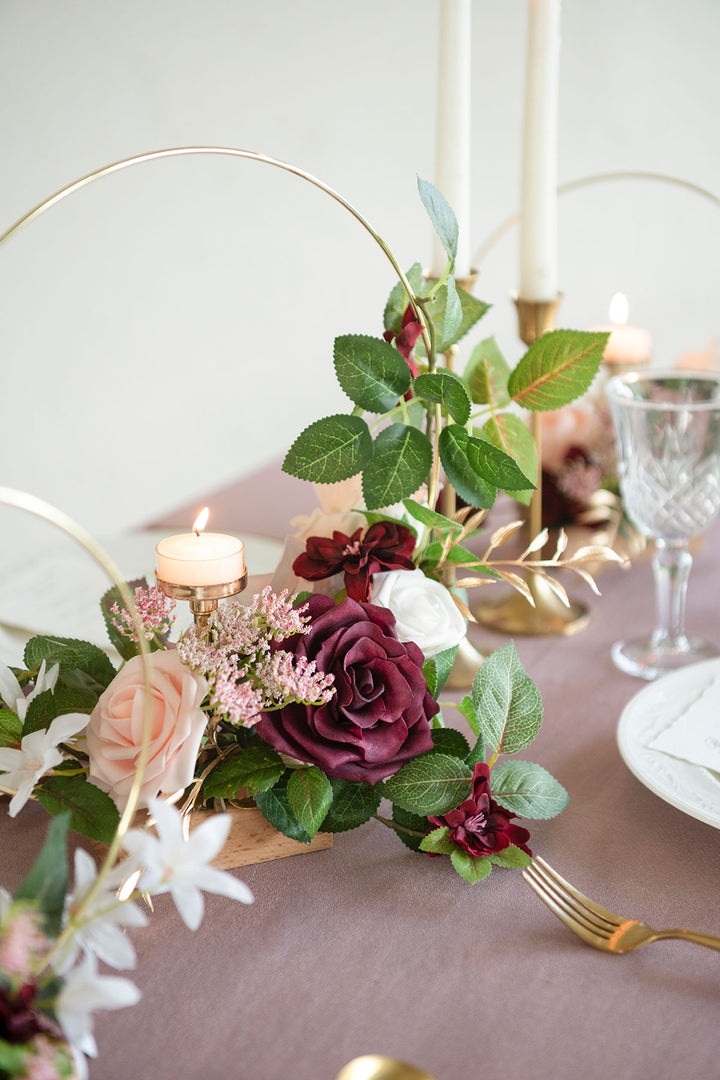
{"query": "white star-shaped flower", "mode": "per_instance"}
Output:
(101, 923)
(11, 691)
(84, 991)
(38, 754)
(171, 863)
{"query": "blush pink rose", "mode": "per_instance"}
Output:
(115, 730)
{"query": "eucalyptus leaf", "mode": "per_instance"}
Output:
(398, 299)
(401, 461)
(354, 802)
(441, 215)
(46, 882)
(556, 369)
(507, 702)
(432, 783)
(486, 374)
(373, 374)
(334, 448)
(309, 797)
(447, 389)
(527, 789)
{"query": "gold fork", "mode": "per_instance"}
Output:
(596, 925)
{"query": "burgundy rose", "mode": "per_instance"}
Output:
(378, 717)
(19, 1022)
(479, 825)
(385, 546)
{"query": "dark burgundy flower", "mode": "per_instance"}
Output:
(378, 717)
(479, 825)
(385, 546)
(19, 1022)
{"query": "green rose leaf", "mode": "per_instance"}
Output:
(512, 857)
(472, 311)
(10, 728)
(253, 769)
(373, 374)
(274, 806)
(14, 1059)
(70, 653)
(469, 867)
(509, 433)
(476, 468)
(477, 753)
(46, 883)
(441, 214)
(437, 669)
(309, 797)
(354, 803)
(528, 790)
(398, 299)
(401, 460)
(453, 311)
(432, 783)
(486, 375)
(92, 812)
(507, 702)
(431, 518)
(445, 388)
(334, 448)
(556, 369)
(409, 825)
(467, 709)
(44, 708)
(450, 741)
(439, 842)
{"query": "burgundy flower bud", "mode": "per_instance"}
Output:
(480, 825)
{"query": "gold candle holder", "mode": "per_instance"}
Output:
(514, 614)
(203, 598)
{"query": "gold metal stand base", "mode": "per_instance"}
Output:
(515, 615)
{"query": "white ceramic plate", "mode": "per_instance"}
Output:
(688, 787)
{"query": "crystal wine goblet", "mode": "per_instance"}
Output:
(668, 436)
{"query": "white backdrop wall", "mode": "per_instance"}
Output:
(170, 328)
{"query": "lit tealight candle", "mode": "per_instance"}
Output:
(200, 558)
(628, 346)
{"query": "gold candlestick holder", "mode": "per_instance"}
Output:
(203, 598)
(515, 614)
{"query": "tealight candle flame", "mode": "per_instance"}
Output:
(619, 309)
(201, 520)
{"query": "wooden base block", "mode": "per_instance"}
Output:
(252, 839)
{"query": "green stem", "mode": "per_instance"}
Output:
(398, 828)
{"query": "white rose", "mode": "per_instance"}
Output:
(424, 609)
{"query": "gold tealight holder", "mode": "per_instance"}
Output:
(203, 598)
(549, 615)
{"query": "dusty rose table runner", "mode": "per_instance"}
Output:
(368, 948)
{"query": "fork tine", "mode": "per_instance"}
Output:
(563, 904)
(610, 917)
(590, 937)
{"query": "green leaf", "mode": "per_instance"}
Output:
(467, 709)
(373, 374)
(528, 790)
(450, 741)
(414, 822)
(334, 448)
(431, 518)
(437, 669)
(432, 783)
(486, 374)
(44, 708)
(453, 312)
(477, 753)
(401, 461)
(441, 214)
(439, 842)
(476, 468)
(398, 299)
(469, 867)
(507, 702)
(13, 1059)
(46, 883)
(354, 802)
(511, 434)
(252, 769)
(10, 728)
(472, 311)
(70, 653)
(512, 857)
(309, 796)
(275, 808)
(445, 388)
(556, 369)
(92, 811)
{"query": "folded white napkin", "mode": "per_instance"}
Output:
(694, 735)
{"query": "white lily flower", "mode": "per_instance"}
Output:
(84, 991)
(171, 863)
(101, 928)
(11, 691)
(38, 754)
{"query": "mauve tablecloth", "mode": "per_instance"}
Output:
(368, 948)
